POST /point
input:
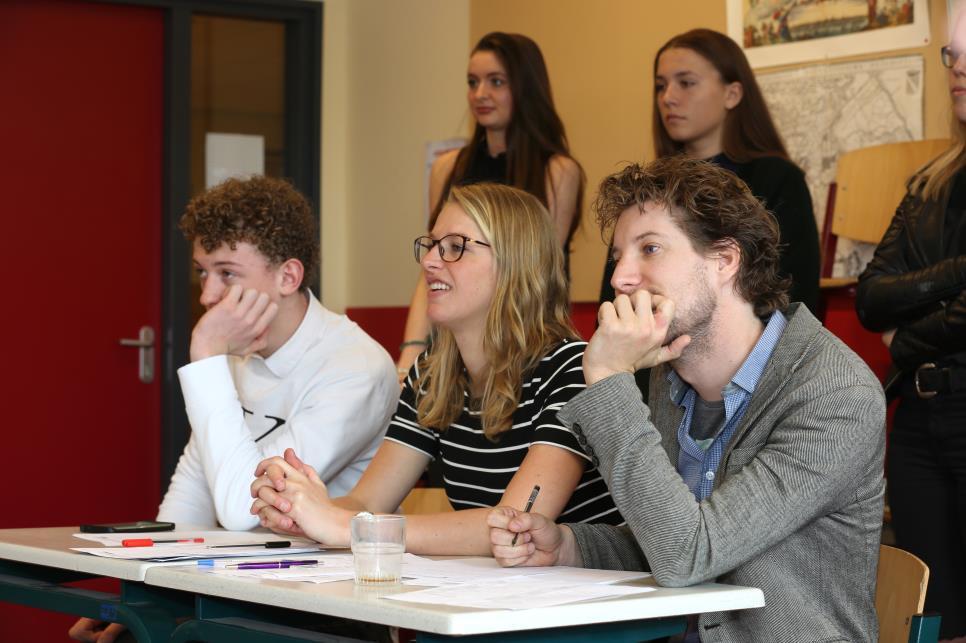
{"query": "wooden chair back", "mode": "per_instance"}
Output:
(425, 500)
(870, 183)
(900, 593)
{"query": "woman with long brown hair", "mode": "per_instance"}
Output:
(483, 399)
(518, 140)
(707, 105)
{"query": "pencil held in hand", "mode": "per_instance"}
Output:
(530, 500)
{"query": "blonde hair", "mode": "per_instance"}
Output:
(529, 313)
(931, 182)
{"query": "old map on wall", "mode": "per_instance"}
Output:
(824, 110)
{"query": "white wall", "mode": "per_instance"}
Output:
(393, 79)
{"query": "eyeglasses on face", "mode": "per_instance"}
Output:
(450, 247)
(949, 56)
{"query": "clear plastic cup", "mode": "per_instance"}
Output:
(378, 543)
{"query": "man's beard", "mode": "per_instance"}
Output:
(697, 319)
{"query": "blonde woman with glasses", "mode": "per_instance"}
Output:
(484, 398)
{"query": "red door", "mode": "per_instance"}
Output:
(81, 121)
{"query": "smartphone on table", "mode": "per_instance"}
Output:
(140, 526)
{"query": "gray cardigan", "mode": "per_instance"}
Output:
(797, 503)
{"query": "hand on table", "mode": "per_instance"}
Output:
(290, 498)
(540, 542)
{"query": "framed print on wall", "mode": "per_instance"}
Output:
(784, 32)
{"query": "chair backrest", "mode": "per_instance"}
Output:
(425, 500)
(870, 183)
(900, 592)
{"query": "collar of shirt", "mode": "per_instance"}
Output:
(747, 376)
(698, 466)
(286, 358)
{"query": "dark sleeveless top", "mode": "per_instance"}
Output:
(484, 168)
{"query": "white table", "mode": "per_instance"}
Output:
(238, 609)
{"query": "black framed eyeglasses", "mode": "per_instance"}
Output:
(450, 247)
(949, 57)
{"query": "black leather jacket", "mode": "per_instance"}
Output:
(910, 285)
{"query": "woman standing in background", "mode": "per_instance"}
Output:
(518, 140)
(914, 291)
(707, 105)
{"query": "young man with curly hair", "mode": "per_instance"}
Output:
(757, 457)
(270, 368)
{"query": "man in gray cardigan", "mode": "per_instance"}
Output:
(757, 459)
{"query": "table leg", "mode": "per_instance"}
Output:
(219, 620)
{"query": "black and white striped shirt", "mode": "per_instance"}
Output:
(477, 471)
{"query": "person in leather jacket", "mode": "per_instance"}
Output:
(914, 292)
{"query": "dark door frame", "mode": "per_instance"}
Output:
(303, 99)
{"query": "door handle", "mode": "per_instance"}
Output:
(145, 345)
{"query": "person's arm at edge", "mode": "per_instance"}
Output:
(417, 323)
(932, 337)
(564, 178)
(890, 293)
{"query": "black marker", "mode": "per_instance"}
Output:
(533, 496)
(271, 544)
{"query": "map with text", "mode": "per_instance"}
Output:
(824, 110)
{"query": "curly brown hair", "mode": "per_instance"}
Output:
(714, 208)
(266, 212)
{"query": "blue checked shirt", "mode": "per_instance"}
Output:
(698, 466)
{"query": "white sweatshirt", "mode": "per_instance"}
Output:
(328, 393)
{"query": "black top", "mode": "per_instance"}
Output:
(484, 168)
(780, 185)
(916, 284)
(954, 239)
(916, 281)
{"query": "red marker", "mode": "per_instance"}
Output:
(147, 542)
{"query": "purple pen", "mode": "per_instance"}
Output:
(274, 564)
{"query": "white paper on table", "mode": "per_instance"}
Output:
(323, 574)
(581, 575)
(219, 537)
(167, 553)
(516, 593)
(464, 570)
